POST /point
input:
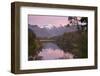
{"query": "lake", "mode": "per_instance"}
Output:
(51, 51)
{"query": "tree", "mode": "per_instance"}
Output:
(84, 45)
(74, 42)
(84, 20)
(34, 44)
(65, 42)
(31, 43)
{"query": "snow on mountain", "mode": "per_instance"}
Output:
(50, 30)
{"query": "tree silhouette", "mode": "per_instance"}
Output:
(34, 45)
(31, 43)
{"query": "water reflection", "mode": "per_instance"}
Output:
(52, 51)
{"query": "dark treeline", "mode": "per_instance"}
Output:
(74, 42)
(34, 45)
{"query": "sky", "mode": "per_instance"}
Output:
(42, 20)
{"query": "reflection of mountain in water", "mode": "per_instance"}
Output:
(50, 32)
(49, 45)
(52, 51)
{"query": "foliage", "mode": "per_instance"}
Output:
(84, 45)
(74, 42)
(33, 44)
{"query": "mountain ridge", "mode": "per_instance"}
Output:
(52, 31)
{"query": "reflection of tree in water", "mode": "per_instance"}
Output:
(34, 45)
(74, 42)
(51, 51)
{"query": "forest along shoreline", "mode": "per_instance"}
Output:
(71, 41)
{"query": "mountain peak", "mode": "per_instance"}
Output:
(49, 26)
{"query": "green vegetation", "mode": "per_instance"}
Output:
(74, 42)
(84, 45)
(34, 44)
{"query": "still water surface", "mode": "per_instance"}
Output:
(52, 51)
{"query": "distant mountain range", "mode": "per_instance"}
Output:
(50, 31)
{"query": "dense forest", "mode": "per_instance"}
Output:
(74, 42)
(34, 45)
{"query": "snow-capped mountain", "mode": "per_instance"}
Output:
(50, 30)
